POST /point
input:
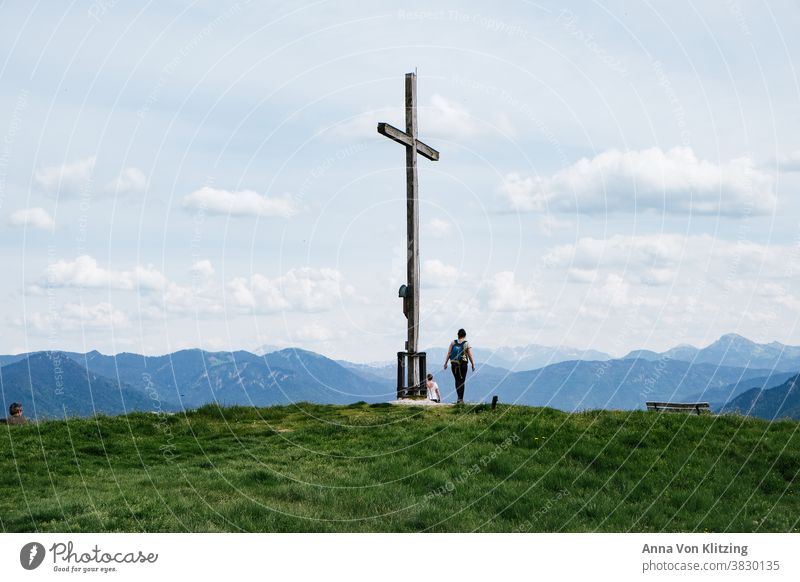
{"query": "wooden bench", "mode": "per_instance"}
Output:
(685, 407)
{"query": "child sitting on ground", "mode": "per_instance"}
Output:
(433, 390)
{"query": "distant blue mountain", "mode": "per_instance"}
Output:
(86, 384)
(11, 359)
(191, 378)
(52, 385)
(615, 384)
(732, 350)
(619, 384)
(776, 403)
(518, 359)
(718, 397)
(530, 357)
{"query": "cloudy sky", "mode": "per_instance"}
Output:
(193, 174)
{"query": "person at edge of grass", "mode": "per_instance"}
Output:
(15, 414)
(458, 354)
(433, 390)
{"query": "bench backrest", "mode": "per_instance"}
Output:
(687, 407)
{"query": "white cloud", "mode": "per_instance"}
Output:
(74, 316)
(86, 273)
(448, 118)
(779, 294)
(180, 300)
(673, 182)
(577, 275)
(619, 250)
(614, 291)
(789, 162)
(244, 296)
(658, 276)
(303, 289)
(659, 259)
(163, 296)
(437, 274)
(612, 294)
(241, 203)
(202, 268)
(35, 217)
(440, 118)
(548, 224)
(503, 293)
(67, 179)
(668, 281)
(438, 228)
(313, 333)
(131, 181)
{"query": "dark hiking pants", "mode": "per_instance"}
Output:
(460, 375)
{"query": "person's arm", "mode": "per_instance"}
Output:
(469, 355)
(447, 355)
(438, 394)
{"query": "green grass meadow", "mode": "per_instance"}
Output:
(383, 468)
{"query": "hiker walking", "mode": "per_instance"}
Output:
(458, 354)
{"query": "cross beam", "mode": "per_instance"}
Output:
(408, 138)
(403, 138)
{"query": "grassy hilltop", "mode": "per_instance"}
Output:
(387, 468)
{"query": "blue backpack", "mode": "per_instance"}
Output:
(457, 352)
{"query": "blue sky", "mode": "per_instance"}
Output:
(200, 174)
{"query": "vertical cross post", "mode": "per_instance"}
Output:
(408, 138)
(412, 227)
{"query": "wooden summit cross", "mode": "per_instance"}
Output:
(408, 138)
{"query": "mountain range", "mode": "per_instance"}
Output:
(51, 384)
(191, 378)
(530, 357)
(57, 384)
(734, 374)
(775, 403)
(731, 350)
